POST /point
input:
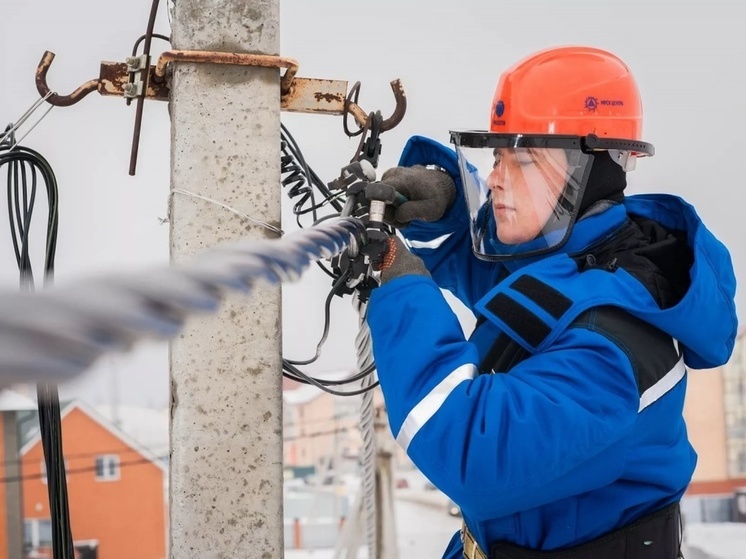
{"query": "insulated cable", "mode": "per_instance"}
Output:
(299, 180)
(26, 168)
(302, 184)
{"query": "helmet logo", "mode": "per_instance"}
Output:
(591, 104)
(500, 108)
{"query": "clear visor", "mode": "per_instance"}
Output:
(522, 201)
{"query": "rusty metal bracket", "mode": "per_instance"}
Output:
(233, 58)
(306, 95)
(114, 79)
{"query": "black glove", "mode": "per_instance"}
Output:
(429, 193)
(398, 261)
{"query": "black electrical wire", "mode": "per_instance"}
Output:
(85, 469)
(331, 382)
(299, 376)
(141, 38)
(26, 168)
(301, 183)
(300, 180)
(51, 431)
(338, 283)
(24, 164)
(290, 367)
(144, 73)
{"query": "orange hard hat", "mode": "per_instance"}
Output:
(572, 90)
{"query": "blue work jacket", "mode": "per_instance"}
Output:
(584, 433)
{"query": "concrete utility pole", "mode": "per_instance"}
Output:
(226, 430)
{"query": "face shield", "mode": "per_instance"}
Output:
(523, 193)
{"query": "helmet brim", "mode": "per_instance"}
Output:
(587, 144)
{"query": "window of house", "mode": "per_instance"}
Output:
(37, 532)
(107, 467)
(741, 462)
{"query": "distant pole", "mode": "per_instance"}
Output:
(387, 547)
(13, 504)
(226, 407)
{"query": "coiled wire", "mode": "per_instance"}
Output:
(300, 181)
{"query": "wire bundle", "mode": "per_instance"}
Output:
(300, 182)
(26, 169)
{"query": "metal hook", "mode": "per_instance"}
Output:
(52, 98)
(401, 107)
(396, 117)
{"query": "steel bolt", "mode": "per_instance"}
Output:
(132, 62)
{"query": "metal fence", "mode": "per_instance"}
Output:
(314, 516)
(708, 509)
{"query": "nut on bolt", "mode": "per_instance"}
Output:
(133, 62)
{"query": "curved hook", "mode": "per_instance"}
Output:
(401, 106)
(53, 98)
(361, 117)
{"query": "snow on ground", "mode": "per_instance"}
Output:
(423, 532)
(717, 541)
(424, 528)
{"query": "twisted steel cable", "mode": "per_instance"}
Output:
(58, 333)
(364, 346)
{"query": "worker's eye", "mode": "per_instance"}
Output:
(524, 157)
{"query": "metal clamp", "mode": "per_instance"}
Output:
(234, 58)
(136, 63)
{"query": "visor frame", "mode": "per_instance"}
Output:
(587, 144)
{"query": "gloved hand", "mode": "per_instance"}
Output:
(429, 192)
(398, 261)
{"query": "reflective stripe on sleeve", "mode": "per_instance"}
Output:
(430, 404)
(666, 383)
(433, 243)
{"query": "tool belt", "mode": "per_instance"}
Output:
(655, 536)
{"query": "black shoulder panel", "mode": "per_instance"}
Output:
(651, 351)
(503, 355)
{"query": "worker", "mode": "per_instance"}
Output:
(556, 425)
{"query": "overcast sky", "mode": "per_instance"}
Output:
(688, 59)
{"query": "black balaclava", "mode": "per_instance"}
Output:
(606, 181)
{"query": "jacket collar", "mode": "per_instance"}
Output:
(586, 233)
